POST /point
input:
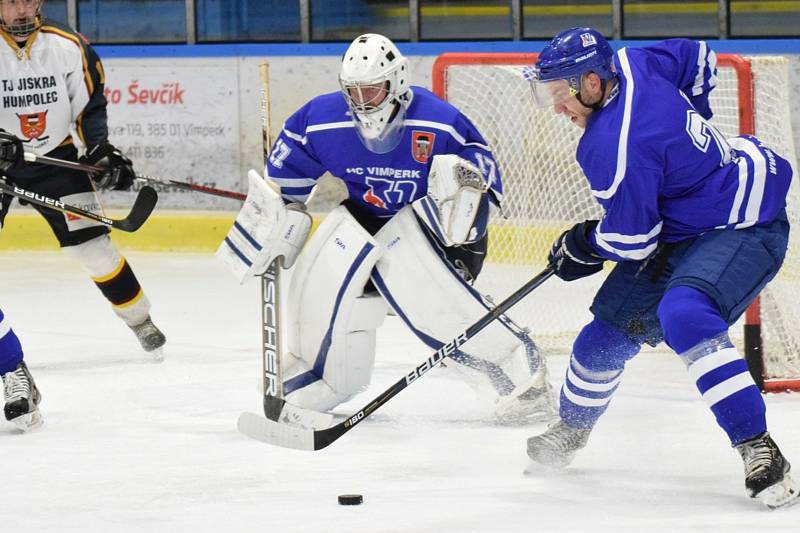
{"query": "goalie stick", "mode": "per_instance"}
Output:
(301, 438)
(142, 207)
(271, 332)
(271, 375)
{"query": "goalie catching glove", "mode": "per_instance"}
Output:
(571, 255)
(117, 174)
(455, 187)
(264, 230)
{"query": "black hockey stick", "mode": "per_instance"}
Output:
(142, 207)
(300, 438)
(33, 158)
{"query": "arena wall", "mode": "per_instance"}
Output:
(192, 113)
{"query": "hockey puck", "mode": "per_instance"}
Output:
(350, 499)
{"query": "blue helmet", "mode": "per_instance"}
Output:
(574, 52)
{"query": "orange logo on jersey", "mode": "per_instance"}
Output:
(422, 145)
(33, 125)
(370, 198)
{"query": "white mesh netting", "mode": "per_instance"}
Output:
(546, 192)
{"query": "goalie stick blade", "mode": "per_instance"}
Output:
(278, 410)
(286, 436)
(259, 428)
(145, 203)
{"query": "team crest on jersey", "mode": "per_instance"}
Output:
(422, 145)
(587, 39)
(33, 125)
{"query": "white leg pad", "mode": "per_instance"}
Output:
(331, 330)
(430, 296)
(99, 257)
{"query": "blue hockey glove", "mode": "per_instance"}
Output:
(571, 255)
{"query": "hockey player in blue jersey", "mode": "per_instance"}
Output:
(21, 394)
(411, 235)
(697, 227)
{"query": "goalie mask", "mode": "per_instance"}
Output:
(374, 81)
(20, 18)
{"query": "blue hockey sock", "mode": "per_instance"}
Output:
(722, 377)
(10, 347)
(694, 328)
(595, 370)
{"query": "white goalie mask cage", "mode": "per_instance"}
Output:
(374, 81)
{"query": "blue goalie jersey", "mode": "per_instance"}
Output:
(321, 137)
(660, 170)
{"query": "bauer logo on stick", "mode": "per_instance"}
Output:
(422, 145)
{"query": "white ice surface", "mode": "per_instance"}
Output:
(130, 446)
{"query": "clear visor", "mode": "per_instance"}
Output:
(381, 131)
(365, 98)
(553, 92)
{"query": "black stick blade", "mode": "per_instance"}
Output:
(142, 207)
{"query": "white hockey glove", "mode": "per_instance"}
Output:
(264, 230)
(455, 187)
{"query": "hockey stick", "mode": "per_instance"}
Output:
(30, 157)
(301, 438)
(271, 334)
(271, 376)
(193, 187)
(142, 207)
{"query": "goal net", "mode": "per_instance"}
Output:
(546, 193)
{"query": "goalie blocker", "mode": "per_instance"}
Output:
(265, 229)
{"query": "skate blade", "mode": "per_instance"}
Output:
(157, 355)
(524, 418)
(516, 412)
(537, 469)
(781, 495)
(29, 421)
(551, 462)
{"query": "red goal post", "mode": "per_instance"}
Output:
(740, 65)
(489, 89)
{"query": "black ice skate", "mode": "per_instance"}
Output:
(766, 472)
(556, 447)
(151, 338)
(22, 398)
